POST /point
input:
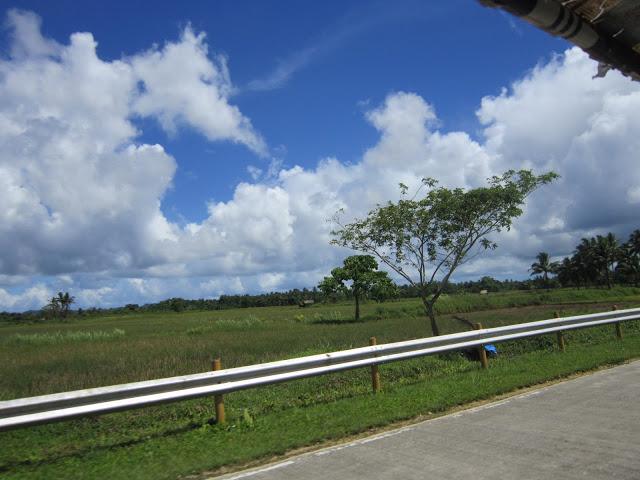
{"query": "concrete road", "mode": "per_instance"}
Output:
(586, 428)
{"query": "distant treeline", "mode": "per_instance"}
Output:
(602, 260)
(274, 299)
(599, 261)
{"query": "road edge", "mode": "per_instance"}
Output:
(259, 464)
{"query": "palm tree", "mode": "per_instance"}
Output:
(568, 272)
(585, 260)
(629, 259)
(597, 257)
(634, 241)
(52, 309)
(606, 252)
(64, 300)
(543, 267)
(629, 263)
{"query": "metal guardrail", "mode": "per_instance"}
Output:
(80, 403)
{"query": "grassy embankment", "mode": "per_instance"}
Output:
(172, 440)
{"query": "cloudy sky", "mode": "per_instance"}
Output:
(151, 150)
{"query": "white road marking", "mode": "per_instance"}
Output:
(262, 470)
(362, 442)
(492, 405)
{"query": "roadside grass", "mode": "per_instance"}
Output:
(200, 447)
(162, 345)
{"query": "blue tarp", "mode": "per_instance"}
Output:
(491, 350)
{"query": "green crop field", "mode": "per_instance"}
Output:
(84, 352)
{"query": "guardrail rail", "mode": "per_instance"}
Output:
(24, 412)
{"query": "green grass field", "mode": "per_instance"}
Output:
(85, 352)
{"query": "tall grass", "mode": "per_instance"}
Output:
(58, 337)
(225, 324)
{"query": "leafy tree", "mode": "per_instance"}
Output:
(424, 240)
(358, 276)
(543, 266)
(489, 284)
(330, 288)
(383, 289)
(177, 304)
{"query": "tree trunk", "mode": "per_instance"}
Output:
(357, 297)
(428, 306)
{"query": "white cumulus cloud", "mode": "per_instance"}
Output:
(181, 83)
(79, 193)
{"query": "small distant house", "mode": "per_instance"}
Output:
(484, 292)
(305, 303)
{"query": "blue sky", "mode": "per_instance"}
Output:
(305, 82)
(348, 55)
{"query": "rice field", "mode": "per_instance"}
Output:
(87, 352)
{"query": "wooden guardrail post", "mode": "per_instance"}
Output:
(560, 335)
(618, 325)
(482, 353)
(375, 374)
(219, 399)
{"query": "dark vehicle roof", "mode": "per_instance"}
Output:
(615, 22)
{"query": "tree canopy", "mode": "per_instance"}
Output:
(425, 239)
(359, 276)
(60, 305)
(601, 260)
